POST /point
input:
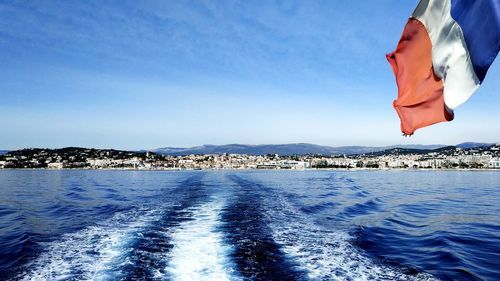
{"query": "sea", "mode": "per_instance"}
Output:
(249, 225)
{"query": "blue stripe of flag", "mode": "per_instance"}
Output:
(480, 24)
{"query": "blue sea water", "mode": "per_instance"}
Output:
(249, 225)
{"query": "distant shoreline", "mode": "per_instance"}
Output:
(88, 158)
(298, 170)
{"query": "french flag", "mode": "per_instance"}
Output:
(442, 57)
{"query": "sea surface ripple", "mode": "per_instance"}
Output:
(249, 225)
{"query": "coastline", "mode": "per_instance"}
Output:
(246, 169)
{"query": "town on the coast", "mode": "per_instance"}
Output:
(451, 157)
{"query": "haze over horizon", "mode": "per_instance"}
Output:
(153, 74)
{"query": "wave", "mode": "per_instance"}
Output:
(131, 246)
(330, 255)
(90, 254)
(326, 253)
(199, 252)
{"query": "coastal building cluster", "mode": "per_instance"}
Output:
(397, 158)
(456, 158)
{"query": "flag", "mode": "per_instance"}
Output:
(442, 57)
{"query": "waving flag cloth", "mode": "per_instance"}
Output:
(442, 57)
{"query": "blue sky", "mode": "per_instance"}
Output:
(146, 74)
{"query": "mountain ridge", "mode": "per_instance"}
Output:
(297, 149)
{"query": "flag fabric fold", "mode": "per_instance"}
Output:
(442, 57)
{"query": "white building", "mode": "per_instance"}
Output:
(494, 163)
(99, 162)
(55, 165)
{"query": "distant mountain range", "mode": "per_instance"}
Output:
(297, 148)
(473, 144)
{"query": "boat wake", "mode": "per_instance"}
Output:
(93, 253)
(199, 252)
(244, 231)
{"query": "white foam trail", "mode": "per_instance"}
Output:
(89, 254)
(199, 252)
(328, 255)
